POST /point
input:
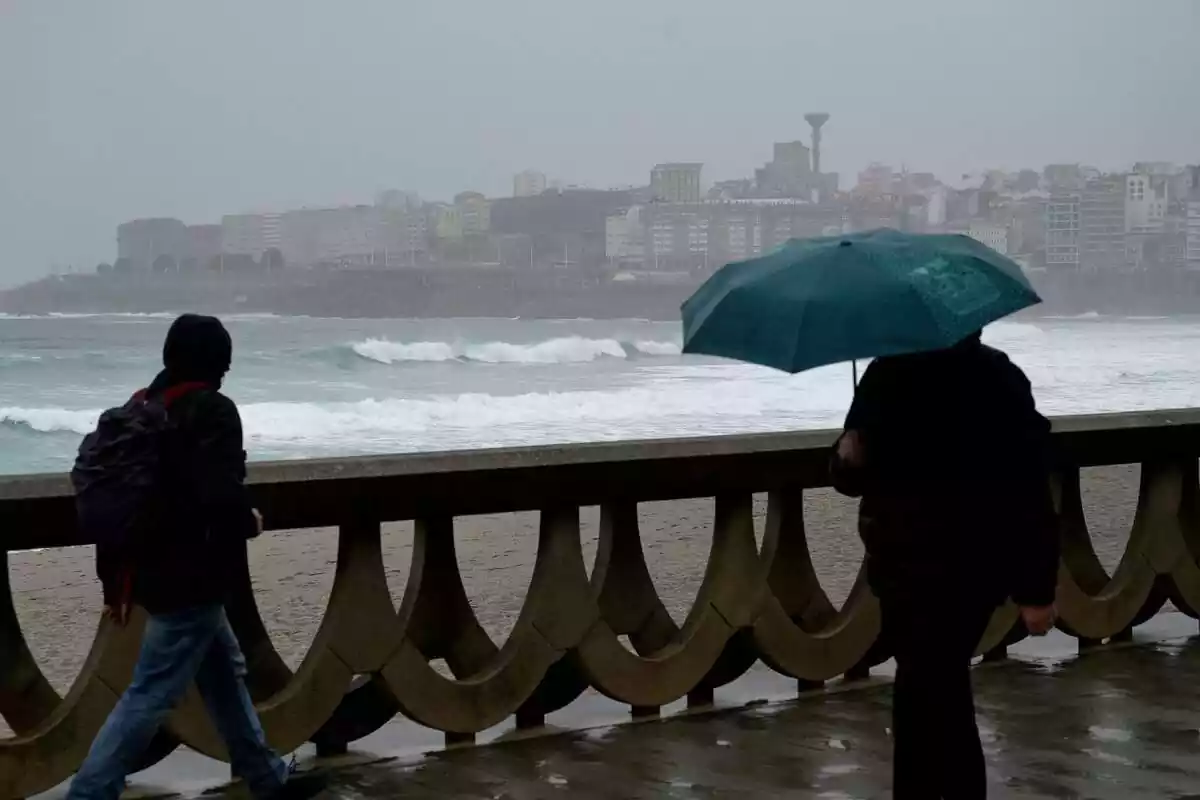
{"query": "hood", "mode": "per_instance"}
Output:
(197, 348)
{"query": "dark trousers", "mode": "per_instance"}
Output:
(937, 753)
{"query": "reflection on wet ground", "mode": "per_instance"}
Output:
(1124, 723)
(1121, 722)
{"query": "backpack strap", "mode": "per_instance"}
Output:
(180, 390)
(173, 393)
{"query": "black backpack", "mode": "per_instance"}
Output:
(119, 474)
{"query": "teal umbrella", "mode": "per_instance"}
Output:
(862, 295)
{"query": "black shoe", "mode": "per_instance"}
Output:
(302, 786)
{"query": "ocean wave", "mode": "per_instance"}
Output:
(652, 348)
(1007, 331)
(49, 420)
(133, 316)
(562, 350)
(111, 317)
(250, 316)
(1087, 315)
(480, 419)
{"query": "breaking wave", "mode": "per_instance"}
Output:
(135, 316)
(564, 350)
(49, 420)
(480, 419)
(1007, 332)
(1086, 315)
(17, 359)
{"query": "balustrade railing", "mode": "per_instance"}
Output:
(371, 660)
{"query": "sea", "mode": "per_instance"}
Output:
(335, 387)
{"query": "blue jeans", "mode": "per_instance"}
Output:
(176, 648)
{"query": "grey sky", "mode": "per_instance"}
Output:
(113, 110)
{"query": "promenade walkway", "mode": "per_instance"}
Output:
(1119, 722)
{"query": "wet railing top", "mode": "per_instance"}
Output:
(34, 511)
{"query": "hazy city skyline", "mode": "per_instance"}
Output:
(122, 110)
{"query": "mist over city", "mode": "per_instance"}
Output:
(137, 110)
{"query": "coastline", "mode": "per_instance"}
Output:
(472, 291)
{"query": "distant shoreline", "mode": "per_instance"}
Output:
(1036, 313)
(509, 293)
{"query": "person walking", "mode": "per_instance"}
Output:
(161, 490)
(950, 457)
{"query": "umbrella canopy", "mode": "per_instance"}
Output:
(864, 295)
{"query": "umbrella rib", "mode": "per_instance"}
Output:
(803, 318)
(818, 293)
(924, 303)
(797, 338)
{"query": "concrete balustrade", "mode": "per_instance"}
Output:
(370, 660)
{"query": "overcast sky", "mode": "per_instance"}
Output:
(113, 110)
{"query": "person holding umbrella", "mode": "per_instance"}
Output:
(947, 451)
(943, 443)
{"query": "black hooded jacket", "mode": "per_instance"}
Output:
(954, 480)
(191, 559)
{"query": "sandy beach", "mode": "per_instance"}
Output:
(58, 599)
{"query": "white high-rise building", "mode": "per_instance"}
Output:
(1062, 231)
(529, 183)
(624, 236)
(935, 209)
(1192, 256)
(676, 182)
(1145, 203)
(345, 235)
(992, 234)
(250, 234)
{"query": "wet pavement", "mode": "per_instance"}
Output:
(1119, 722)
